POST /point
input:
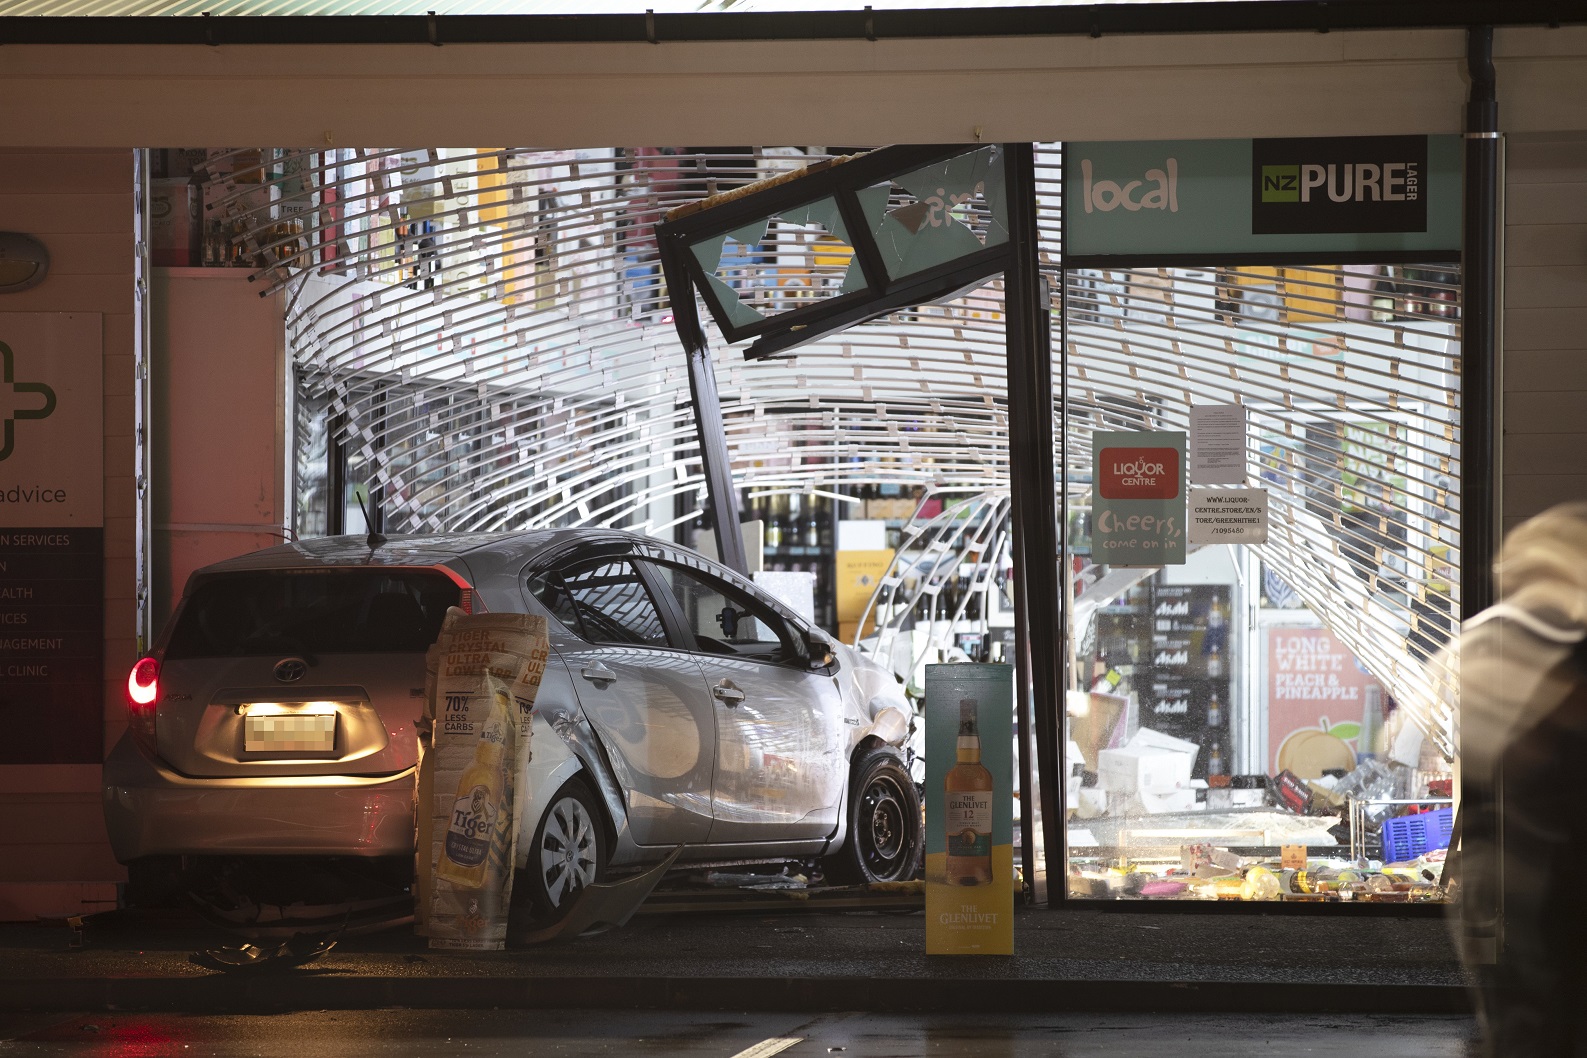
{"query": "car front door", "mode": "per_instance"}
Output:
(780, 761)
(644, 698)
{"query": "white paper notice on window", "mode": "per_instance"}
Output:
(1227, 516)
(1217, 444)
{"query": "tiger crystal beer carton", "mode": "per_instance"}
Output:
(482, 676)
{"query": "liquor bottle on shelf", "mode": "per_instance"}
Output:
(1214, 663)
(812, 526)
(967, 796)
(773, 526)
(788, 521)
(884, 604)
(1108, 682)
(1215, 762)
(791, 531)
(1214, 711)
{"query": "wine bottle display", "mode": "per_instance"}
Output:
(967, 795)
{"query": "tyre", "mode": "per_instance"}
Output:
(884, 837)
(569, 852)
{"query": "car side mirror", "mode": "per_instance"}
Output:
(820, 653)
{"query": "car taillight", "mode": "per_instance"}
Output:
(468, 599)
(143, 690)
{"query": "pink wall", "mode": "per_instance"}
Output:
(217, 417)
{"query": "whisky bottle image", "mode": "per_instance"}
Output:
(476, 811)
(967, 795)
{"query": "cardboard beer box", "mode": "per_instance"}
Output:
(481, 679)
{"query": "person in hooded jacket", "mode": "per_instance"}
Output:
(1521, 903)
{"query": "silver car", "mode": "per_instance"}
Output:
(275, 717)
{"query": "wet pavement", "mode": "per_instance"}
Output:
(652, 1034)
(1098, 959)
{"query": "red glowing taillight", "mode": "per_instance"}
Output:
(143, 683)
(143, 688)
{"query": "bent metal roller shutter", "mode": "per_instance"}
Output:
(485, 332)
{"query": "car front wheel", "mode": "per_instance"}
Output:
(569, 852)
(884, 839)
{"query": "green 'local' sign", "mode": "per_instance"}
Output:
(1331, 195)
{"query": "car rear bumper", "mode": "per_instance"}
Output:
(151, 811)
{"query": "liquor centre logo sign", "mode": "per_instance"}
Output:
(1211, 198)
(1141, 473)
(1138, 505)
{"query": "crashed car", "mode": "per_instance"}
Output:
(274, 720)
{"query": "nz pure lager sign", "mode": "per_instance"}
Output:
(1342, 184)
(52, 538)
(1138, 501)
(1329, 196)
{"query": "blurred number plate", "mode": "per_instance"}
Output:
(290, 733)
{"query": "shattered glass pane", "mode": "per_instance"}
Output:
(939, 213)
(784, 263)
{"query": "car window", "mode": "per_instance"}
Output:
(548, 591)
(312, 611)
(605, 603)
(726, 619)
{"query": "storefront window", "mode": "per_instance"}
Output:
(1254, 723)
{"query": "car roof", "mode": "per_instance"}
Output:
(480, 554)
(416, 549)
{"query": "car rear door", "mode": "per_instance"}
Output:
(781, 764)
(645, 699)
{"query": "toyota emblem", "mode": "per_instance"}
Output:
(290, 670)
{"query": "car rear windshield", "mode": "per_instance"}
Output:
(334, 611)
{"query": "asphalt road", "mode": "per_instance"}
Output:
(670, 1034)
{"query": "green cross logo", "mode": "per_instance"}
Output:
(8, 406)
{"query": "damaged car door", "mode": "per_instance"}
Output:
(644, 699)
(780, 762)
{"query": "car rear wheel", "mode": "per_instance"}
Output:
(884, 839)
(569, 851)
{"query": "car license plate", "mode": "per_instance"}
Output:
(290, 733)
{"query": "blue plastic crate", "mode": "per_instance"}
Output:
(1407, 837)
